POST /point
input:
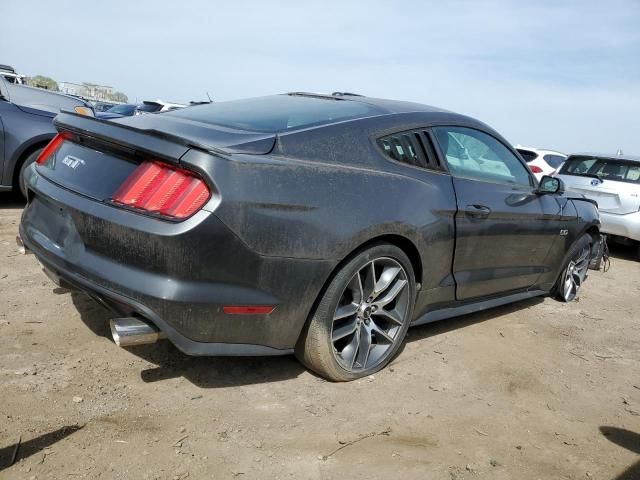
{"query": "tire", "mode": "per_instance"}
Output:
(23, 168)
(574, 272)
(353, 311)
(598, 253)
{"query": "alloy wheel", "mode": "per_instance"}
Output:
(370, 314)
(575, 274)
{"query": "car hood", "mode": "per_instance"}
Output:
(202, 134)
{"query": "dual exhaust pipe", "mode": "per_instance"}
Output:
(132, 331)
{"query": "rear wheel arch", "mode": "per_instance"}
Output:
(315, 343)
(402, 242)
(22, 157)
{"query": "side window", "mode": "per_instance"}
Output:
(554, 160)
(528, 155)
(413, 148)
(4, 94)
(478, 156)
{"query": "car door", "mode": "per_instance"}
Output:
(4, 100)
(504, 229)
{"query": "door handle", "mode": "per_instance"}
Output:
(477, 211)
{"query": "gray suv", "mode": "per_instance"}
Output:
(26, 126)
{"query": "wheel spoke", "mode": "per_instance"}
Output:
(583, 256)
(391, 294)
(369, 282)
(576, 279)
(386, 278)
(364, 347)
(355, 286)
(389, 315)
(344, 331)
(570, 284)
(348, 353)
(344, 311)
(381, 333)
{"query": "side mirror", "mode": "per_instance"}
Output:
(550, 185)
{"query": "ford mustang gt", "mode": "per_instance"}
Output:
(320, 225)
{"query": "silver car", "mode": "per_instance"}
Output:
(614, 182)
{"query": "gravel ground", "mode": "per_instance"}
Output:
(534, 390)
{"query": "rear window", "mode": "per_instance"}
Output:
(149, 107)
(122, 109)
(554, 161)
(277, 113)
(603, 168)
(528, 155)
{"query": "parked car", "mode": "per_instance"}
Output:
(317, 224)
(117, 111)
(613, 181)
(10, 75)
(156, 106)
(26, 115)
(102, 106)
(542, 162)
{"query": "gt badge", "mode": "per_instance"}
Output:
(72, 162)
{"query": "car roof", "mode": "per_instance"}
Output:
(390, 106)
(608, 156)
(540, 150)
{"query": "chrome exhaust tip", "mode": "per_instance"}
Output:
(130, 331)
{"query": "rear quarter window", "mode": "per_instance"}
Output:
(528, 155)
(554, 161)
(410, 147)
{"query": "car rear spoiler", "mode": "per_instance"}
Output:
(126, 138)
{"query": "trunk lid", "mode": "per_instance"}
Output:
(202, 134)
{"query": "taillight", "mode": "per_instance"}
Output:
(535, 169)
(52, 147)
(159, 188)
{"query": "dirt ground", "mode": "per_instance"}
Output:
(535, 390)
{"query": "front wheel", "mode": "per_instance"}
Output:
(575, 272)
(362, 316)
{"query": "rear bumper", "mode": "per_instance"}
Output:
(627, 226)
(127, 306)
(176, 275)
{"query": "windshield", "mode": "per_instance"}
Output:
(122, 109)
(149, 107)
(277, 113)
(603, 168)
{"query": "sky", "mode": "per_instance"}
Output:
(559, 75)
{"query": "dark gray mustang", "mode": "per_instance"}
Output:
(323, 225)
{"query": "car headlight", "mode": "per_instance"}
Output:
(84, 111)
